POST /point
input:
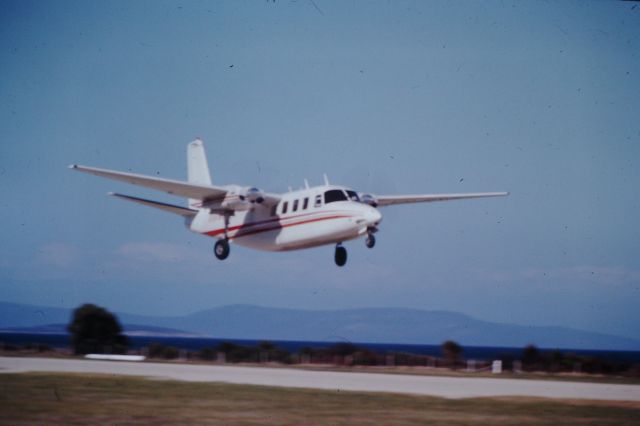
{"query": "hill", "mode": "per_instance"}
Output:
(372, 325)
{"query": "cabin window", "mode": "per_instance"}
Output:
(353, 196)
(318, 202)
(295, 206)
(334, 195)
(284, 207)
(305, 203)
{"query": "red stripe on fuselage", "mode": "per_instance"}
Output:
(278, 225)
(262, 222)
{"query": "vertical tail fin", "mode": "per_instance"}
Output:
(197, 166)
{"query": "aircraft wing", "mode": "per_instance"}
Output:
(387, 200)
(182, 211)
(175, 187)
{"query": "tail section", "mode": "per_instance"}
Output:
(197, 167)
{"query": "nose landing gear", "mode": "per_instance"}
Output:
(370, 241)
(341, 255)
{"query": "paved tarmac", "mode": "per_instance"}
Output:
(447, 387)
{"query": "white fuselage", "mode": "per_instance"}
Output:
(305, 218)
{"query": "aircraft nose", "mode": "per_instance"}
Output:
(372, 216)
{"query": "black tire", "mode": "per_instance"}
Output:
(341, 256)
(370, 241)
(221, 249)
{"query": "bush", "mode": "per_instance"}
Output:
(158, 350)
(207, 354)
(238, 353)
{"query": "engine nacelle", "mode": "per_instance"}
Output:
(252, 195)
(242, 199)
(236, 204)
(369, 199)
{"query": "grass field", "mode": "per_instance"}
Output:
(69, 399)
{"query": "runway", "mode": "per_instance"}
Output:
(447, 387)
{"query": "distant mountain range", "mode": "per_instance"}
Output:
(371, 325)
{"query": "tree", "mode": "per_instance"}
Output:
(95, 330)
(530, 357)
(451, 352)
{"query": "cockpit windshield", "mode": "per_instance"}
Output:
(353, 196)
(334, 195)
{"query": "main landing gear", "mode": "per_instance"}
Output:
(221, 249)
(341, 255)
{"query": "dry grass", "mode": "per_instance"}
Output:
(70, 399)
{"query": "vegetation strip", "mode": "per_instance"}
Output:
(93, 399)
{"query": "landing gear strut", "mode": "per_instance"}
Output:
(341, 255)
(221, 249)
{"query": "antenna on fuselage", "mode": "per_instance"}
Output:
(306, 183)
(326, 179)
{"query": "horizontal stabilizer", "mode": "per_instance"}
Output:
(182, 211)
(386, 200)
(175, 187)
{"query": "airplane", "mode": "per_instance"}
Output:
(248, 216)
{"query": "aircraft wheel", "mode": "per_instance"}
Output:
(370, 241)
(221, 249)
(341, 255)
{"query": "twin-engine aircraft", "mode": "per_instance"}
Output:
(310, 217)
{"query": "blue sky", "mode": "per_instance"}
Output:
(537, 98)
